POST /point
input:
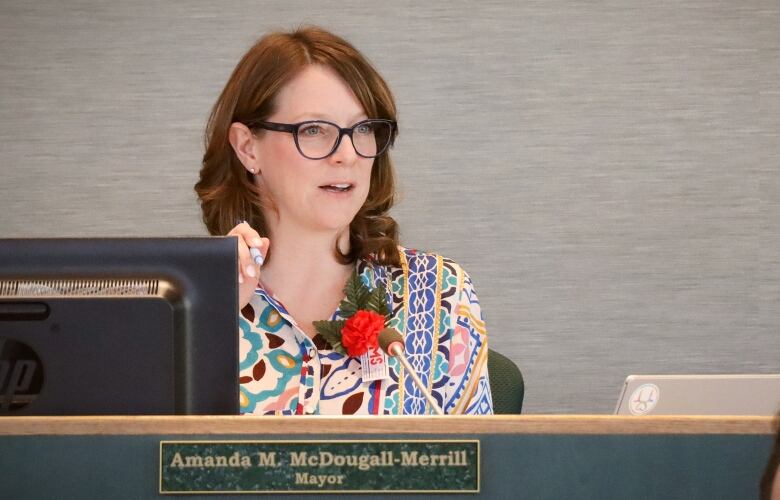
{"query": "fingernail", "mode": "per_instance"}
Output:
(240, 278)
(256, 242)
(250, 271)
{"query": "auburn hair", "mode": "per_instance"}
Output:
(226, 190)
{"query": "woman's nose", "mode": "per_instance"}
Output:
(345, 152)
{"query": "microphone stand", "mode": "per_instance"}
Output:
(396, 350)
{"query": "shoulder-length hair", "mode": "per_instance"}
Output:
(226, 190)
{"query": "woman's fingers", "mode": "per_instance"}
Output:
(258, 249)
(246, 231)
(244, 259)
(252, 249)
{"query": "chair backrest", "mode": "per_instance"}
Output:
(506, 384)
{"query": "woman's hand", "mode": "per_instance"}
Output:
(248, 270)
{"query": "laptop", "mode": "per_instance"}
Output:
(700, 395)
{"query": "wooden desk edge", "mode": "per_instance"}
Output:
(306, 425)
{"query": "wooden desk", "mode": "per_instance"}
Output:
(545, 456)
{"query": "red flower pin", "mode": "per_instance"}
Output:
(365, 311)
(360, 332)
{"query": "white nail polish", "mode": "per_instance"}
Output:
(250, 271)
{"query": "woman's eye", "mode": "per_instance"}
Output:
(311, 130)
(364, 128)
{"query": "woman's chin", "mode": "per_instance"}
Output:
(332, 223)
(333, 218)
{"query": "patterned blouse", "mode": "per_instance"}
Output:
(432, 304)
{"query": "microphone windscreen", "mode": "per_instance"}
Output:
(389, 336)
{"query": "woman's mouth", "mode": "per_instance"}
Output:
(341, 187)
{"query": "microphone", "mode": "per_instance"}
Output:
(393, 344)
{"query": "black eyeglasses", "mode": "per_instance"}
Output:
(318, 139)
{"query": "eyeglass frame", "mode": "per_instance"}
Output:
(292, 128)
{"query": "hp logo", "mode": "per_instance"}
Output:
(21, 375)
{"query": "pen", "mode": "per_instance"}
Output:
(256, 256)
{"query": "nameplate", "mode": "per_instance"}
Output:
(355, 466)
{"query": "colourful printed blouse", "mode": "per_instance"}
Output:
(432, 304)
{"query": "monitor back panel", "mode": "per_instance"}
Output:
(113, 355)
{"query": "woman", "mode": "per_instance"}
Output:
(297, 146)
(769, 487)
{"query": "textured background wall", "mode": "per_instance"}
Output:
(606, 171)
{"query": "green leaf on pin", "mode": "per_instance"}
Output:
(331, 331)
(377, 302)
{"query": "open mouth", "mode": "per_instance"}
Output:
(338, 188)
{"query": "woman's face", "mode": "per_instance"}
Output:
(308, 193)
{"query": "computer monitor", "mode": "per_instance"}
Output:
(118, 326)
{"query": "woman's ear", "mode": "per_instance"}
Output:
(243, 142)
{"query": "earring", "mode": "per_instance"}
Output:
(252, 170)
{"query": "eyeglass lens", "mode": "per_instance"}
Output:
(318, 139)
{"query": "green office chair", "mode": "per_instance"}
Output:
(506, 384)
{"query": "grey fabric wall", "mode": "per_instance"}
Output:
(606, 171)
